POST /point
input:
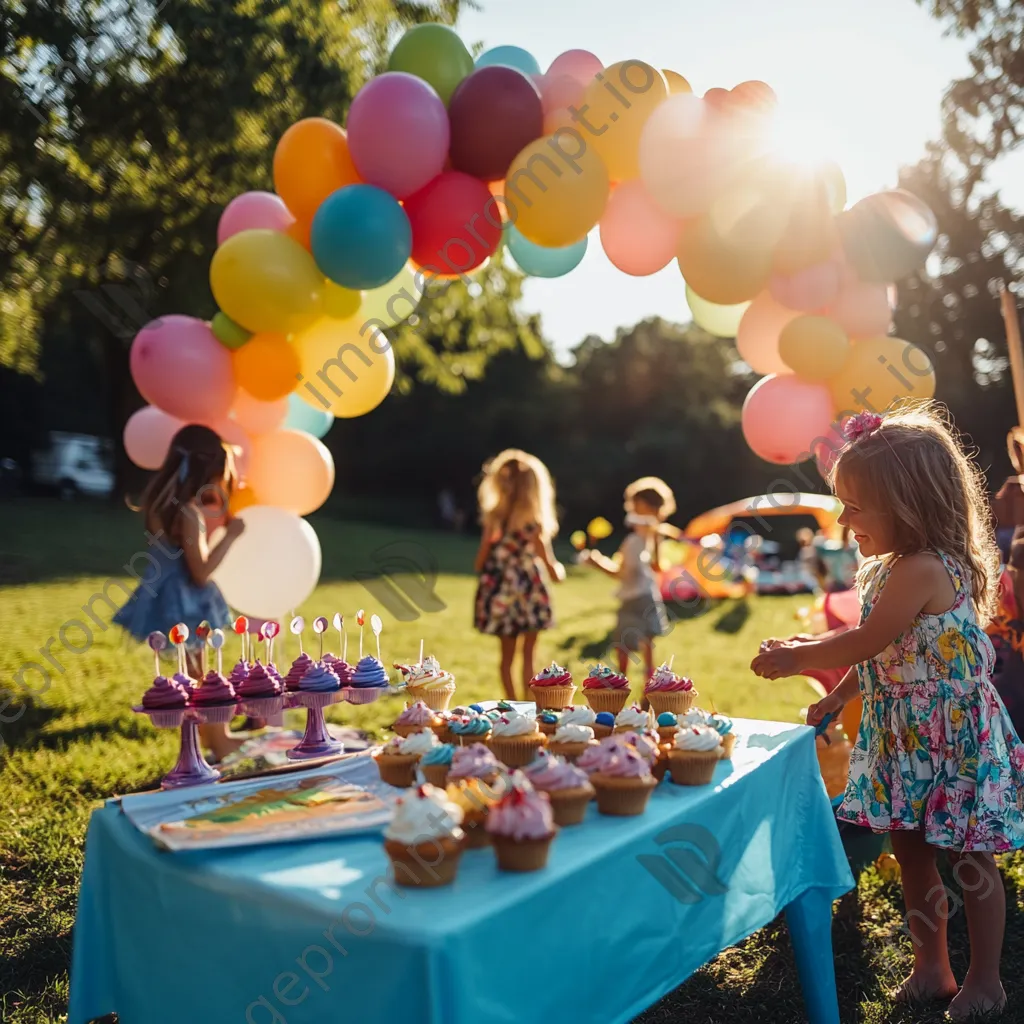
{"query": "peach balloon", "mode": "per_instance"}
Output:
(676, 83)
(242, 497)
(861, 309)
(258, 417)
(758, 337)
(636, 235)
(722, 269)
(235, 434)
(267, 366)
(880, 373)
(809, 290)
(290, 469)
(784, 418)
(558, 91)
(581, 65)
(147, 436)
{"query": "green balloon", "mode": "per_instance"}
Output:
(227, 332)
(434, 53)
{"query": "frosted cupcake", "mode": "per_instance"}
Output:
(570, 741)
(604, 724)
(633, 719)
(300, 666)
(552, 688)
(397, 760)
(521, 826)
(547, 721)
(239, 673)
(369, 680)
(215, 700)
(593, 759)
(648, 746)
(165, 703)
(624, 782)
(515, 739)
(578, 714)
(606, 690)
(341, 668)
(262, 695)
(415, 718)
(667, 726)
(668, 692)
(474, 762)
(187, 683)
(424, 839)
(567, 786)
(430, 683)
(465, 730)
(723, 726)
(694, 716)
(436, 762)
(475, 798)
(694, 754)
(318, 687)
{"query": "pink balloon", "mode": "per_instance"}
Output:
(579, 64)
(147, 436)
(398, 133)
(256, 417)
(758, 336)
(784, 418)
(558, 91)
(178, 365)
(810, 290)
(253, 210)
(637, 236)
(862, 310)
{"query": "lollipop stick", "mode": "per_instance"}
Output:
(321, 646)
(378, 646)
(670, 660)
(360, 643)
(202, 660)
(421, 651)
(220, 660)
(156, 660)
(344, 647)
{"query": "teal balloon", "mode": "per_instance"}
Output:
(537, 261)
(302, 416)
(509, 57)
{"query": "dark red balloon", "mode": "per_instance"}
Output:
(494, 114)
(456, 223)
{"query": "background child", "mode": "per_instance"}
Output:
(195, 481)
(517, 514)
(937, 763)
(648, 503)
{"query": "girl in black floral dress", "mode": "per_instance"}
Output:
(517, 512)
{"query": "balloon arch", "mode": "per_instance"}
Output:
(443, 161)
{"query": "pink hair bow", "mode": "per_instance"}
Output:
(861, 425)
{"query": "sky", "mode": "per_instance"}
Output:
(861, 80)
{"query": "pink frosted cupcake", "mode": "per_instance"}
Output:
(668, 692)
(165, 703)
(215, 700)
(415, 718)
(474, 762)
(567, 786)
(552, 688)
(239, 673)
(521, 826)
(300, 666)
(262, 694)
(606, 690)
(624, 783)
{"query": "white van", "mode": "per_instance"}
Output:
(75, 464)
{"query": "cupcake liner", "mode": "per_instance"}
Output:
(426, 865)
(467, 741)
(608, 699)
(516, 751)
(435, 774)
(692, 767)
(318, 699)
(676, 701)
(521, 854)
(437, 699)
(728, 746)
(622, 797)
(552, 698)
(164, 718)
(268, 708)
(362, 694)
(474, 825)
(660, 767)
(601, 731)
(213, 714)
(570, 751)
(398, 770)
(620, 729)
(569, 806)
(441, 731)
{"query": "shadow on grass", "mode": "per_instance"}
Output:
(733, 619)
(31, 729)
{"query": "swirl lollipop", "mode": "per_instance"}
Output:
(268, 631)
(298, 624)
(202, 635)
(320, 627)
(157, 642)
(360, 619)
(241, 627)
(339, 625)
(578, 539)
(376, 625)
(178, 634)
(216, 641)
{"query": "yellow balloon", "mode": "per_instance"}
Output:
(347, 367)
(341, 303)
(718, 271)
(556, 189)
(880, 372)
(578, 539)
(676, 82)
(721, 321)
(814, 347)
(599, 528)
(266, 281)
(619, 100)
(395, 301)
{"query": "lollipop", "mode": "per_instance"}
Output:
(202, 634)
(339, 625)
(216, 641)
(578, 539)
(178, 634)
(298, 624)
(241, 627)
(320, 627)
(360, 620)
(157, 642)
(598, 529)
(268, 631)
(376, 625)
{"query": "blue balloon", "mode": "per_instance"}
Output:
(361, 237)
(302, 416)
(511, 57)
(537, 261)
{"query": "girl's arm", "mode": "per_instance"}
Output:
(836, 700)
(200, 560)
(486, 543)
(604, 563)
(913, 583)
(543, 550)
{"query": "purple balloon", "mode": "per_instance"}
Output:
(398, 133)
(253, 210)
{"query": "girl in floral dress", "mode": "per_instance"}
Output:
(937, 763)
(517, 512)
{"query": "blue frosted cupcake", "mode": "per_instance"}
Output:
(435, 764)
(604, 724)
(467, 729)
(318, 687)
(369, 680)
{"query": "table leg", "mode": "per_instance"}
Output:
(810, 928)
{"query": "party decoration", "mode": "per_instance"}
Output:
(721, 321)
(886, 235)
(253, 210)
(862, 310)
(266, 367)
(676, 83)
(360, 620)
(599, 529)
(341, 303)
(376, 626)
(302, 416)
(147, 436)
(312, 161)
(291, 470)
(258, 417)
(509, 57)
(758, 336)
(814, 347)
(538, 261)
(637, 236)
(578, 539)
(881, 372)
(339, 625)
(296, 626)
(721, 269)
(241, 630)
(811, 289)
(395, 301)
(320, 627)
(157, 643)
(227, 332)
(783, 416)
(434, 53)
(580, 65)
(216, 642)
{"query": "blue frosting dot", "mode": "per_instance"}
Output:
(476, 707)
(605, 718)
(667, 718)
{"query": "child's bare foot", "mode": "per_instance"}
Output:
(925, 987)
(976, 1001)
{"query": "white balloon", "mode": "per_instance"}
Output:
(273, 566)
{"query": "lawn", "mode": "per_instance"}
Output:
(77, 741)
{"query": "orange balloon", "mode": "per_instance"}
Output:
(312, 161)
(810, 235)
(292, 470)
(241, 498)
(267, 366)
(719, 269)
(300, 231)
(676, 82)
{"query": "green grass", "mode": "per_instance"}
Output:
(78, 742)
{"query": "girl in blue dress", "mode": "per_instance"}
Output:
(195, 481)
(937, 763)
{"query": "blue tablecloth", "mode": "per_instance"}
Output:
(313, 933)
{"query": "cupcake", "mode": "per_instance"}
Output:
(521, 826)
(165, 703)
(547, 721)
(578, 714)
(318, 687)
(515, 739)
(567, 786)
(468, 729)
(648, 746)
(474, 762)
(606, 690)
(434, 764)
(300, 666)
(668, 726)
(430, 683)
(239, 673)
(424, 839)
(341, 668)
(369, 680)
(475, 798)
(397, 760)
(604, 724)
(723, 726)
(552, 688)
(624, 782)
(215, 699)
(571, 740)
(594, 758)
(668, 692)
(188, 684)
(694, 754)
(694, 716)
(262, 694)
(415, 718)
(633, 719)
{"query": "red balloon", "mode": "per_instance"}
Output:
(456, 223)
(494, 114)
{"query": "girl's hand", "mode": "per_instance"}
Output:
(235, 528)
(831, 704)
(584, 556)
(558, 572)
(778, 661)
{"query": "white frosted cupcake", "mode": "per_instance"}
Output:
(424, 840)
(695, 752)
(633, 719)
(515, 739)
(569, 741)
